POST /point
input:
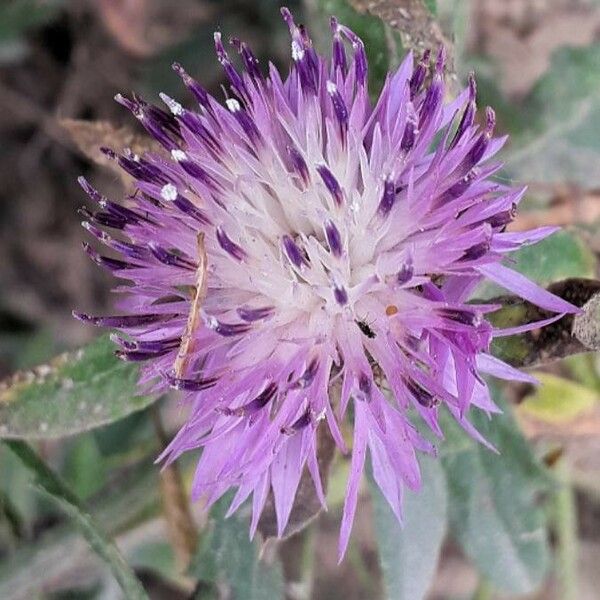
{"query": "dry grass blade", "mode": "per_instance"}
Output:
(90, 136)
(181, 528)
(187, 339)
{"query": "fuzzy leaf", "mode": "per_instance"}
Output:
(494, 504)
(75, 392)
(228, 559)
(564, 116)
(51, 486)
(61, 551)
(409, 553)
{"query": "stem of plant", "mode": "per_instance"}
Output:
(565, 515)
(484, 591)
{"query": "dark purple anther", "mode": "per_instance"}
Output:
(340, 294)
(293, 252)
(197, 90)
(339, 107)
(255, 314)
(139, 355)
(250, 60)
(141, 169)
(388, 198)
(331, 184)
(462, 316)
(468, 116)
(418, 76)
(255, 405)
(460, 187)
(480, 146)
(410, 129)
(299, 424)
(405, 274)
(105, 219)
(159, 124)
(187, 207)
(433, 101)
(244, 119)
(125, 321)
(306, 379)
(112, 264)
(338, 52)
(191, 385)
(229, 329)
(360, 61)
(475, 252)
(146, 346)
(299, 164)
(229, 246)
(237, 83)
(365, 385)
(170, 258)
(334, 239)
(503, 218)
(420, 394)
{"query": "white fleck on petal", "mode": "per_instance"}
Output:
(178, 155)
(173, 105)
(331, 88)
(232, 104)
(168, 192)
(297, 51)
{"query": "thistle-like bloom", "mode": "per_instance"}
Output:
(301, 250)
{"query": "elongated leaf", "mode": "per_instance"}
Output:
(408, 554)
(75, 392)
(558, 400)
(56, 491)
(494, 504)
(564, 116)
(227, 558)
(61, 551)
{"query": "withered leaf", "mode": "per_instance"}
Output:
(306, 506)
(569, 335)
(90, 136)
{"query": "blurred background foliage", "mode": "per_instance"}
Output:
(522, 525)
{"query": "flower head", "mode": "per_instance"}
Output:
(299, 250)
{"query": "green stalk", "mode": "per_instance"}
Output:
(565, 515)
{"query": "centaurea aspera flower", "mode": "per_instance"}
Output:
(302, 250)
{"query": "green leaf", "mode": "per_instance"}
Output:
(50, 485)
(563, 110)
(75, 392)
(227, 557)
(557, 399)
(408, 554)
(60, 551)
(494, 503)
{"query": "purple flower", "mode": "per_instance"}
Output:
(302, 251)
